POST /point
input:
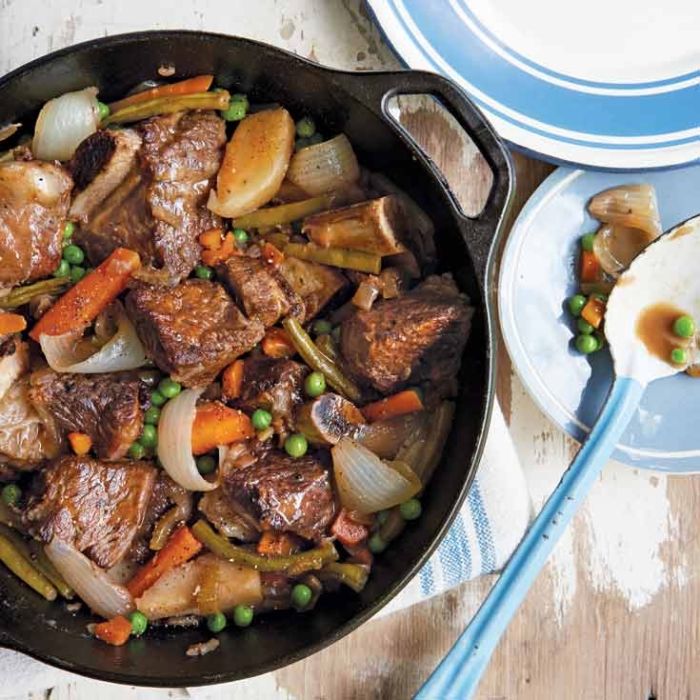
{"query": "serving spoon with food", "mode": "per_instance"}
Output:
(649, 326)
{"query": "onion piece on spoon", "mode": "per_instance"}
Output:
(175, 441)
(633, 206)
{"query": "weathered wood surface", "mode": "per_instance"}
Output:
(615, 614)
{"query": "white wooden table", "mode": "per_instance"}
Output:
(615, 613)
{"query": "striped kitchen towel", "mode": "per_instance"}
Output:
(487, 529)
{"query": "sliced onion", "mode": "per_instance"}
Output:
(175, 441)
(633, 206)
(365, 295)
(89, 581)
(367, 484)
(617, 246)
(9, 130)
(64, 122)
(325, 167)
(122, 352)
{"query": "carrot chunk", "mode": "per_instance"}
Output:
(12, 323)
(215, 424)
(115, 631)
(347, 531)
(276, 343)
(80, 443)
(590, 267)
(200, 83)
(278, 544)
(594, 312)
(397, 405)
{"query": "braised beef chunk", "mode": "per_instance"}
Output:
(96, 506)
(191, 331)
(108, 407)
(99, 166)
(417, 338)
(159, 207)
(262, 291)
(34, 199)
(273, 384)
(292, 495)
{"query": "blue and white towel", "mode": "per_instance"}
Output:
(489, 526)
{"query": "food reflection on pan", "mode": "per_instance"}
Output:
(227, 361)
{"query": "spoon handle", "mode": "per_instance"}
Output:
(459, 673)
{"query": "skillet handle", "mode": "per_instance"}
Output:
(377, 88)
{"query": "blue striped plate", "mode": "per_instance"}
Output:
(605, 84)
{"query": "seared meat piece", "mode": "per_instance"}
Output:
(96, 506)
(108, 407)
(191, 331)
(262, 291)
(33, 205)
(273, 384)
(292, 495)
(417, 338)
(229, 517)
(315, 284)
(99, 166)
(159, 209)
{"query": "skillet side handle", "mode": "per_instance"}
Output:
(480, 232)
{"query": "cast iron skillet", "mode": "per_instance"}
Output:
(356, 104)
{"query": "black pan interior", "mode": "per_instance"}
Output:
(338, 101)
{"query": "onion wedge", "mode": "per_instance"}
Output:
(365, 483)
(175, 441)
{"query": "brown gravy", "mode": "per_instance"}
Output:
(655, 329)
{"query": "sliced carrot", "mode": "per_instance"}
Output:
(81, 304)
(115, 631)
(278, 544)
(590, 267)
(227, 248)
(80, 443)
(594, 312)
(276, 343)
(397, 405)
(232, 380)
(215, 424)
(348, 531)
(200, 83)
(271, 254)
(12, 323)
(211, 239)
(180, 547)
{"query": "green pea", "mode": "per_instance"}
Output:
(137, 451)
(321, 327)
(242, 615)
(241, 236)
(684, 327)
(301, 596)
(139, 622)
(315, 384)
(152, 415)
(203, 272)
(157, 399)
(599, 296)
(206, 464)
(382, 516)
(587, 242)
(237, 108)
(77, 273)
(11, 493)
(169, 388)
(576, 304)
(216, 622)
(411, 509)
(586, 344)
(584, 327)
(149, 436)
(73, 254)
(679, 356)
(296, 445)
(376, 544)
(102, 110)
(305, 128)
(63, 269)
(68, 230)
(261, 419)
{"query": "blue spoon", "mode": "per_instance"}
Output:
(661, 283)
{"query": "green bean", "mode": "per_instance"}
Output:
(43, 563)
(15, 561)
(393, 526)
(23, 295)
(327, 346)
(163, 528)
(284, 213)
(293, 564)
(168, 105)
(319, 362)
(336, 257)
(352, 575)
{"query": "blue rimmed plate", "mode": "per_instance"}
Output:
(597, 83)
(538, 274)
